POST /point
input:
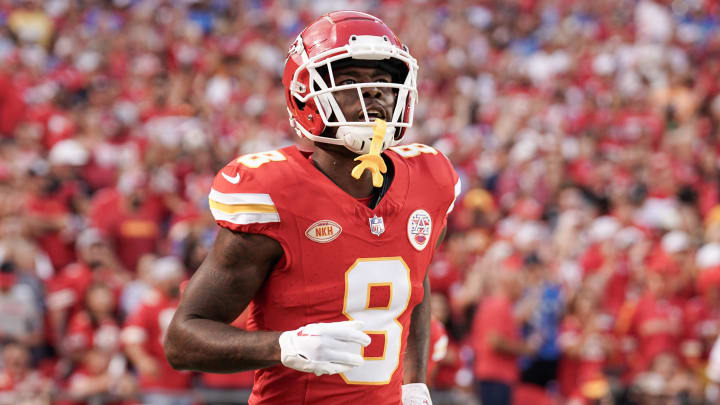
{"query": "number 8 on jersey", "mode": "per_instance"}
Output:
(362, 279)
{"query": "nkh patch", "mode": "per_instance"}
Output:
(377, 226)
(419, 229)
(323, 231)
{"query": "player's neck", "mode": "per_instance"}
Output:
(337, 166)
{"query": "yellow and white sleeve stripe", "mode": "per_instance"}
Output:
(243, 208)
(458, 187)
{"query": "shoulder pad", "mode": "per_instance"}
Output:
(436, 164)
(413, 150)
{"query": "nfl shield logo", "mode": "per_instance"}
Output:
(377, 226)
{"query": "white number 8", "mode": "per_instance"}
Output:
(255, 160)
(360, 279)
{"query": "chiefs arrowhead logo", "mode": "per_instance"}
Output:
(419, 229)
(323, 231)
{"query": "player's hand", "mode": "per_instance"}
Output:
(416, 394)
(324, 348)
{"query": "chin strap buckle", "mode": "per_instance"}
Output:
(373, 161)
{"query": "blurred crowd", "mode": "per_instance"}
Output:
(582, 262)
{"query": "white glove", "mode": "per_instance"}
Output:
(324, 348)
(416, 394)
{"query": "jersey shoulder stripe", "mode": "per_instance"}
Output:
(243, 208)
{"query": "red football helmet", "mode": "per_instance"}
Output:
(336, 38)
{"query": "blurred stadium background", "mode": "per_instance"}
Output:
(586, 135)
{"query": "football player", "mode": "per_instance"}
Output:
(331, 260)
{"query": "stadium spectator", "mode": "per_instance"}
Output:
(143, 333)
(217, 389)
(11, 106)
(134, 291)
(657, 322)
(96, 326)
(587, 344)
(22, 317)
(66, 291)
(19, 383)
(667, 381)
(30, 23)
(134, 227)
(497, 341)
(100, 377)
(541, 309)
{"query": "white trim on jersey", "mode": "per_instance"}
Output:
(243, 208)
(458, 187)
(245, 218)
(240, 198)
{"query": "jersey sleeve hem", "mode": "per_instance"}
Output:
(242, 208)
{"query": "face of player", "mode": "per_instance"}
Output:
(379, 101)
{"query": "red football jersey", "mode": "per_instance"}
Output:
(342, 260)
(82, 334)
(147, 327)
(438, 346)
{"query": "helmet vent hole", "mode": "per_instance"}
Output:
(385, 38)
(353, 37)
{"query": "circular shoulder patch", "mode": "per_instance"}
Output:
(419, 229)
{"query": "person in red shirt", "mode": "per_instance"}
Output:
(332, 262)
(49, 202)
(218, 388)
(438, 346)
(701, 316)
(92, 342)
(96, 325)
(657, 322)
(496, 341)
(586, 342)
(137, 212)
(19, 383)
(67, 289)
(12, 106)
(673, 257)
(55, 197)
(101, 377)
(443, 371)
(143, 333)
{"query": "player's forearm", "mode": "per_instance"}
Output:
(210, 346)
(418, 347)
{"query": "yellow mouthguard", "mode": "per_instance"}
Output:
(373, 161)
